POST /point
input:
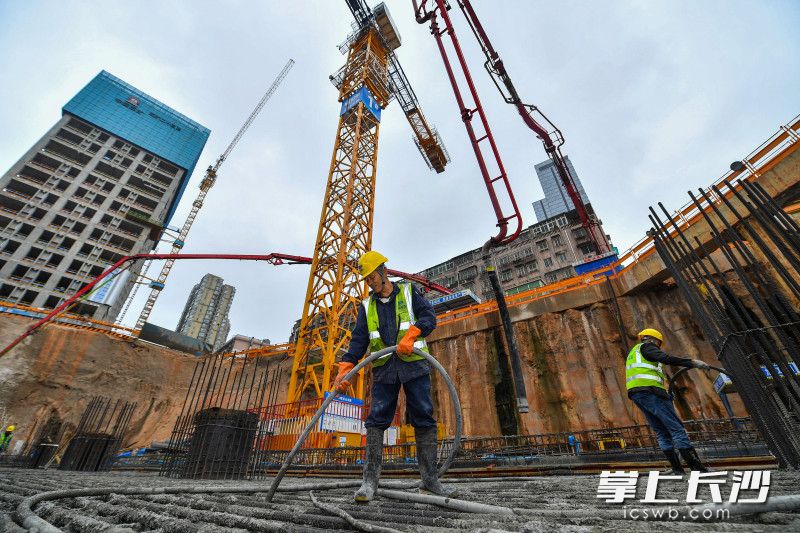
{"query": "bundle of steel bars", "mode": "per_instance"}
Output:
(44, 445)
(99, 435)
(220, 433)
(745, 298)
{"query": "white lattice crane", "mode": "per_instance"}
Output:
(157, 285)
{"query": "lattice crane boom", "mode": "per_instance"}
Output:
(209, 179)
(426, 138)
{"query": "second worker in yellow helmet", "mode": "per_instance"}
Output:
(646, 383)
(394, 313)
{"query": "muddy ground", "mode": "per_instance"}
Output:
(541, 504)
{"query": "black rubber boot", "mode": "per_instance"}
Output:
(373, 457)
(692, 459)
(674, 461)
(426, 457)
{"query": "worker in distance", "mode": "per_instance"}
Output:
(646, 384)
(393, 314)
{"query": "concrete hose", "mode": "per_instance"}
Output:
(686, 369)
(358, 524)
(30, 520)
(350, 375)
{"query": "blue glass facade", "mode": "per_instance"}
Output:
(126, 112)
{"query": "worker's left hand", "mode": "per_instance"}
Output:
(702, 365)
(406, 345)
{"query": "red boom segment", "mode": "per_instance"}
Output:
(274, 259)
(552, 140)
(467, 114)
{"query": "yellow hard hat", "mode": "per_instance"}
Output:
(649, 332)
(371, 260)
(10, 428)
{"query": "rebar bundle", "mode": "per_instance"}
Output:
(746, 300)
(44, 445)
(99, 435)
(219, 433)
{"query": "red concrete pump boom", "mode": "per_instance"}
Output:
(531, 116)
(273, 259)
(484, 135)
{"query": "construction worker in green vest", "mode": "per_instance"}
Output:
(646, 384)
(393, 314)
(5, 438)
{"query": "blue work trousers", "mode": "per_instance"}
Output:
(419, 404)
(661, 415)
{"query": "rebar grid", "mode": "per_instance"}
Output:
(99, 435)
(220, 433)
(746, 300)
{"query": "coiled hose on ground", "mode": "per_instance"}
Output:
(29, 519)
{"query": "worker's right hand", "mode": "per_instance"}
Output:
(339, 384)
(697, 363)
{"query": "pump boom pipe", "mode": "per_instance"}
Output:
(553, 140)
(505, 234)
(274, 259)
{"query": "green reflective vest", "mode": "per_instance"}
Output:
(5, 440)
(639, 372)
(404, 314)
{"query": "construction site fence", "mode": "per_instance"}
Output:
(733, 437)
(714, 438)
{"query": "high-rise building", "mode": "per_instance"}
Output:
(205, 316)
(543, 253)
(99, 185)
(556, 200)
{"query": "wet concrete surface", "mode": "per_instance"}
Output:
(543, 504)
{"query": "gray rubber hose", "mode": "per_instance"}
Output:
(350, 375)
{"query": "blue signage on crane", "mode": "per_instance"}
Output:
(362, 95)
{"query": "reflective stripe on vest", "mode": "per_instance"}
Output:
(404, 314)
(639, 372)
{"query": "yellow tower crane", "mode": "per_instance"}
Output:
(157, 285)
(370, 78)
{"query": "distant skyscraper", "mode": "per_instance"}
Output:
(205, 316)
(100, 184)
(556, 200)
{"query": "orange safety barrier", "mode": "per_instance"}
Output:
(75, 321)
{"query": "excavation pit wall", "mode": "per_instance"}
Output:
(571, 348)
(59, 369)
(573, 362)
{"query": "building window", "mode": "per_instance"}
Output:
(550, 278)
(506, 275)
(468, 273)
(561, 257)
(542, 245)
(557, 240)
(548, 262)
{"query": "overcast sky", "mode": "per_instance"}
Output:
(653, 97)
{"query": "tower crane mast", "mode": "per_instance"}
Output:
(157, 285)
(369, 80)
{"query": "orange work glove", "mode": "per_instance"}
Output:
(406, 345)
(339, 385)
